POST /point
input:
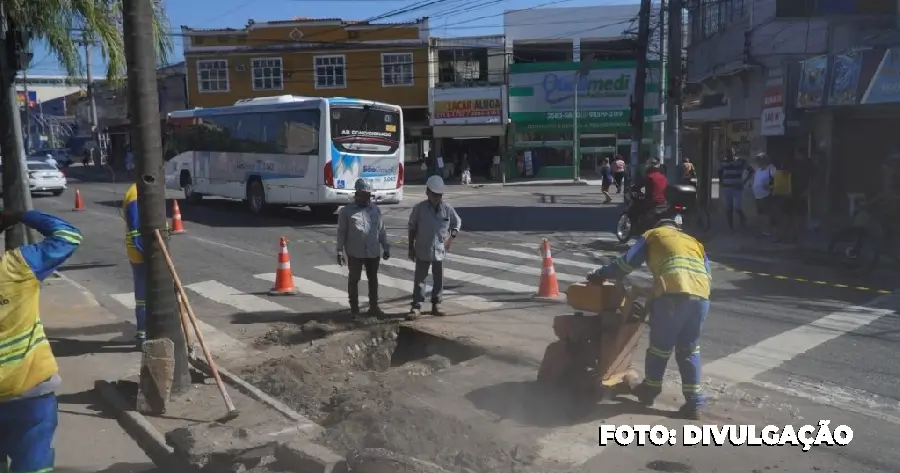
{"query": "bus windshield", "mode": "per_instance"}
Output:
(365, 129)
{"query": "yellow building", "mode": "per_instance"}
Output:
(313, 57)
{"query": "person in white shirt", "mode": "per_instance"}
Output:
(51, 161)
(763, 175)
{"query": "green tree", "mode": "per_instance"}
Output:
(61, 25)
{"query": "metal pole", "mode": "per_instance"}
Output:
(27, 126)
(663, 57)
(576, 145)
(674, 88)
(640, 87)
(95, 135)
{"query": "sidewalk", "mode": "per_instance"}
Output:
(88, 343)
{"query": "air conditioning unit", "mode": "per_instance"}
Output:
(240, 68)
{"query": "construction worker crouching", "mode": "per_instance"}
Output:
(28, 371)
(682, 283)
(361, 240)
(433, 224)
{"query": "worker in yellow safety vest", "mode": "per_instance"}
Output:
(28, 371)
(134, 247)
(682, 283)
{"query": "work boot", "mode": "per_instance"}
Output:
(375, 311)
(354, 308)
(646, 394)
(414, 313)
(140, 337)
(436, 310)
(690, 412)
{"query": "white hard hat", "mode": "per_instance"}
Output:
(435, 184)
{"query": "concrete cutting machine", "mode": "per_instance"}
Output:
(593, 356)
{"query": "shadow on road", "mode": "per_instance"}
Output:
(67, 347)
(537, 219)
(231, 213)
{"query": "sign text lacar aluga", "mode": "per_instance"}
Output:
(467, 108)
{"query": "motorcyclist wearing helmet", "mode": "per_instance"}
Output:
(361, 240)
(653, 202)
(433, 224)
(682, 283)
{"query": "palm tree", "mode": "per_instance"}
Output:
(62, 25)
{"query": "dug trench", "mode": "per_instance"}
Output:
(393, 387)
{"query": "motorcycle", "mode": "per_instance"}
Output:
(859, 247)
(684, 204)
(628, 227)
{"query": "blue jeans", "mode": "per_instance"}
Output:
(26, 434)
(676, 321)
(139, 274)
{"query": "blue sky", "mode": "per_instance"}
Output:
(448, 17)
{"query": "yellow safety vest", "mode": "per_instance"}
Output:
(678, 263)
(26, 359)
(781, 183)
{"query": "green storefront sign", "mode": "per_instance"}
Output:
(542, 95)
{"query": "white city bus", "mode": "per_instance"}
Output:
(287, 150)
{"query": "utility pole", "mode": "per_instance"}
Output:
(27, 128)
(143, 104)
(14, 57)
(674, 89)
(640, 87)
(95, 135)
(661, 29)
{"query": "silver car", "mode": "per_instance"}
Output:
(42, 177)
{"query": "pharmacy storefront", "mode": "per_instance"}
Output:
(542, 103)
(468, 122)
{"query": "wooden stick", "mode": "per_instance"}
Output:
(182, 314)
(232, 411)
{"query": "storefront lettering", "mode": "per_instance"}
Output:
(560, 88)
(467, 108)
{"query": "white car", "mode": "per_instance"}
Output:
(42, 177)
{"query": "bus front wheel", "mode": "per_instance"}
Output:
(256, 197)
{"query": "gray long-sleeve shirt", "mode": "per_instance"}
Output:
(361, 232)
(432, 227)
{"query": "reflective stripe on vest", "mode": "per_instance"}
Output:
(677, 264)
(17, 349)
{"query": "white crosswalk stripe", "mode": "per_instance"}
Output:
(472, 302)
(472, 278)
(314, 289)
(512, 268)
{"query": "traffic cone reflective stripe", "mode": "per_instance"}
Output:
(177, 224)
(284, 278)
(549, 286)
(79, 204)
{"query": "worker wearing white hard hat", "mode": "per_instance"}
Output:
(433, 224)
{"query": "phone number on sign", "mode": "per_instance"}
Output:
(584, 114)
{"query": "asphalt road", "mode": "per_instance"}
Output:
(796, 350)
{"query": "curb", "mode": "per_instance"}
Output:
(137, 426)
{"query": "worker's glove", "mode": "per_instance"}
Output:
(340, 259)
(386, 255)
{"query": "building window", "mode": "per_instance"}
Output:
(331, 72)
(212, 75)
(267, 74)
(396, 69)
(712, 16)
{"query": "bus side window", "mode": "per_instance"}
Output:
(301, 132)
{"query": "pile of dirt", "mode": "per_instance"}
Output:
(368, 409)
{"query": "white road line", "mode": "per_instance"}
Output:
(478, 279)
(220, 344)
(218, 292)
(568, 444)
(513, 268)
(536, 256)
(314, 289)
(472, 302)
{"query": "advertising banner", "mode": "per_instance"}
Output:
(542, 95)
(467, 106)
(811, 87)
(32, 98)
(772, 119)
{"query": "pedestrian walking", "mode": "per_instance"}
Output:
(433, 224)
(51, 161)
(734, 173)
(130, 164)
(763, 177)
(688, 173)
(29, 375)
(606, 179)
(682, 283)
(618, 172)
(361, 241)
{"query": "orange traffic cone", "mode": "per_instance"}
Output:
(177, 224)
(284, 278)
(79, 204)
(549, 286)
